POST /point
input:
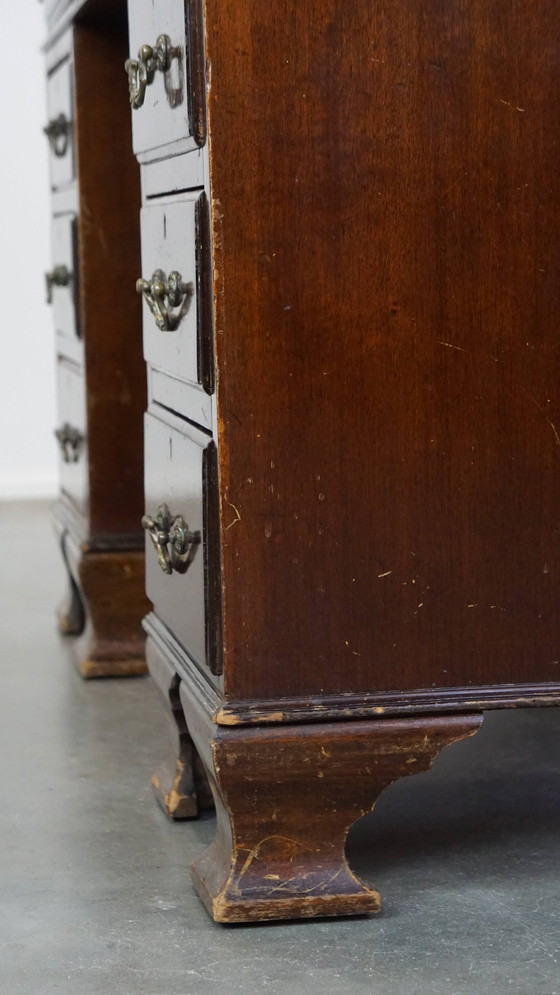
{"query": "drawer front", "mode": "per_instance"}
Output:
(175, 239)
(169, 111)
(180, 474)
(71, 434)
(60, 128)
(62, 279)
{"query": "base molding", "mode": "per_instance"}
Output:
(227, 711)
(104, 610)
(286, 798)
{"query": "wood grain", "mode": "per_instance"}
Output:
(386, 278)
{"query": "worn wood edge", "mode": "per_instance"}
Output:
(403, 746)
(366, 902)
(174, 802)
(342, 707)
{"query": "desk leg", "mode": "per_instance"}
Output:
(179, 782)
(286, 797)
(106, 606)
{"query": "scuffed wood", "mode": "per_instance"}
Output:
(286, 798)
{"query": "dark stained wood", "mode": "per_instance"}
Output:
(321, 708)
(179, 782)
(109, 265)
(111, 589)
(387, 297)
(385, 220)
(106, 567)
(286, 798)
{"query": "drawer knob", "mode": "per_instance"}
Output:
(57, 132)
(160, 289)
(141, 71)
(60, 276)
(166, 530)
(70, 440)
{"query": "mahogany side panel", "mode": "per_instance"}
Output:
(109, 252)
(386, 226)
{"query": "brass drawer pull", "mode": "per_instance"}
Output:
(57, 132)
(70, 441)
(141, 71)
(165, 530)
(60, 276)
(159, 288)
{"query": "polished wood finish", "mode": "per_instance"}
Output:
(101, 500)
(179, 782)
(286, 798)
(386, 299)
(110, 586)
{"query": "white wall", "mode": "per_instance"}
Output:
(28, 458)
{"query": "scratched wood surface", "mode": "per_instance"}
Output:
(286, 798)
(386, 248)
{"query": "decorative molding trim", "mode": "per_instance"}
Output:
(164, 640)
(337, 708)
(23, 487)
(386, 704)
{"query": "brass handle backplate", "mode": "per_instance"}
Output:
(70, 440)
(141, 71)
(172, 539)
(57, 132)
(60, 276)
(161, 288)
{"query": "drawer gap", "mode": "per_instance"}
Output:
(190, 421)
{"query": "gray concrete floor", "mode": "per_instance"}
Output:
(95, 895)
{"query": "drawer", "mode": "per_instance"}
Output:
(181, 499)
(175, 240)
(71, 434)
(60, 127)
(62, 279)
(169, 111)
